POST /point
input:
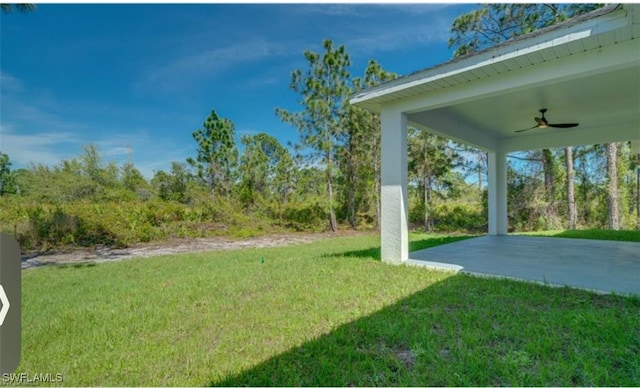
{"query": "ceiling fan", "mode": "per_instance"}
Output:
(543, 123)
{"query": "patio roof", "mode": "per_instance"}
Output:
(584, 70)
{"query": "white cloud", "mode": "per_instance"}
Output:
(32, 108)
(373, 28)
(115, 151)
(147, 161)
(37, 127)
(50, 148)
(212, 62)
(368, 9)
(9, 83)
(329, 9)
(390, 40)
(380, 36)
(417, 8)
(40, 147)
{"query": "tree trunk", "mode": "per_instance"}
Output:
(613, 200)
(571, 200)
(427, 185)
(583, 193)
(427, 201)
(212, 183)
(479, 171)
(285, 190)
(332, 214)
(547, 164)
(352, 207)
(351, 189)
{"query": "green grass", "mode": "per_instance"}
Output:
(326, 313)
(591, 234)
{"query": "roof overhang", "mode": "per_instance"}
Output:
(585, 70)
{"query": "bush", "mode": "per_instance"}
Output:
(451, 217)
(416, 214)
(308, 216)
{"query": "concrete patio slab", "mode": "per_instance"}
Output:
(604, 266)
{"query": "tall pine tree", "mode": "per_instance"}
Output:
(324, 89)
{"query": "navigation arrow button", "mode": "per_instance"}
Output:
(10, 313)
(5, 305)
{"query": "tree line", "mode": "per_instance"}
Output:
(331, 176)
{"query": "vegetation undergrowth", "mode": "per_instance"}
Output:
(43, 226)
(326, 313)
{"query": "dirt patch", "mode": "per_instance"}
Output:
(170, 247)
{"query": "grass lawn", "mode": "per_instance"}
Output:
(591, 234)
(326, 313)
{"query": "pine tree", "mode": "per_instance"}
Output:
(217, 153)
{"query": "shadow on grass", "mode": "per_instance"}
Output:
(470, 331)
(434, 241)
(424, 243)
(76, 265)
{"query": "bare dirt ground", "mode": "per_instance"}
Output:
(169, 247)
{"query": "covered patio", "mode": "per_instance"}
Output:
(585, 70)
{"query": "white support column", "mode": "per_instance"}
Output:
(497, 185)
(394, 228)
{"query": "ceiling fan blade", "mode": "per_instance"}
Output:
(566, 125)
(527, 129)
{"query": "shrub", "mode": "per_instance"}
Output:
(450, 217)
(118, 223)
(307, 216)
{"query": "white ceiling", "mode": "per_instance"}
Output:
(599, 103)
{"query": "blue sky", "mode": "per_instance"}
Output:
(146, 76)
